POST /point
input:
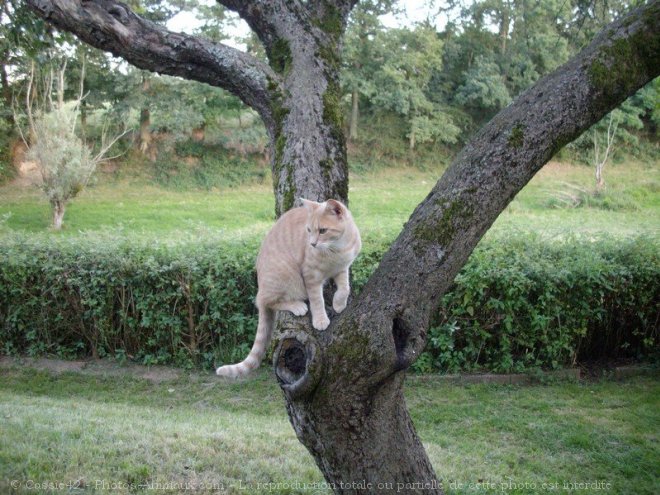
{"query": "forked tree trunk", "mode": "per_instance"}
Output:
(343, 386)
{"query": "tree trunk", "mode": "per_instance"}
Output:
(308, 143)
(600, 180)
(58, 214)
(6, 92)
(145, 131)
(145, 119)
(83, 119)
(361, 436)
(343, 386)
(504, 28)
(355, 113)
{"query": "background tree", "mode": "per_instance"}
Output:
(615, 130)
(344, 386)
(65, 161)
(359, 54)
(405, 62)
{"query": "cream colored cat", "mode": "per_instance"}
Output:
(307, 246)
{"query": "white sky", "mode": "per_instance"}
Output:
(413, 11)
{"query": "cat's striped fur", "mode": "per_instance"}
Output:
(306, 247)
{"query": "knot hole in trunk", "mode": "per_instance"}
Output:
(408, 342)
(297, 363)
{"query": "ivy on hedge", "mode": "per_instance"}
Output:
(518, 303)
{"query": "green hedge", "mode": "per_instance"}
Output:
(187, 305)
(523, 303)
(518, 304)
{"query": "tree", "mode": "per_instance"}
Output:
(406, 61)
(343, 386)
(604, 138)
(65, 161)
(364, 25)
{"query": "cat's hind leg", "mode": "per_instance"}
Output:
(298, 308)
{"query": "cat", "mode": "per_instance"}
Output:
(306, 247)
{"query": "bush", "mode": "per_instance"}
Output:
(523, 303)
(186, 305)
(517, 304)
(191, 165)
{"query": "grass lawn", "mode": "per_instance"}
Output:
(381, 202)
(117, 433)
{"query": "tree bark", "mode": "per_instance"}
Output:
(343, 386)
(303, 45)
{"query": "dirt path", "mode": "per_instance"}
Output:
(156, 374)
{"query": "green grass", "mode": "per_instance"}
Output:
(118, 430)
(381, 202)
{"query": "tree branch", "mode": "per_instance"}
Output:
(444, 229)
(112, 26)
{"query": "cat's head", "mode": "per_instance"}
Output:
(326, 223)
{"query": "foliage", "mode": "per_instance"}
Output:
(406, 61)
(66, 163)
(193, 165)
(528, 304)
(484, 87)
(186, 305)
(517, 304)
(6, 136)
(432, 87)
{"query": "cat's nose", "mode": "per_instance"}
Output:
(313, 244)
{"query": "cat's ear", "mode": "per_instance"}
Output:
(310, 205)
(334, 207)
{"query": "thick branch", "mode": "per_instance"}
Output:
(483, 179)
(112, 26)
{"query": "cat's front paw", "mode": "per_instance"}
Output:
(321, 322)
(339, 302)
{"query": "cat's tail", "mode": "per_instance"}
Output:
(261, 342)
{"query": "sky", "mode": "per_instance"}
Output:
(413, 11)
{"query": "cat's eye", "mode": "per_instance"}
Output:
(322, 231)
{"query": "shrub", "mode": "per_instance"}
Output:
(525, 303)
(518, 303)
(191, 165)
(186, 305)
